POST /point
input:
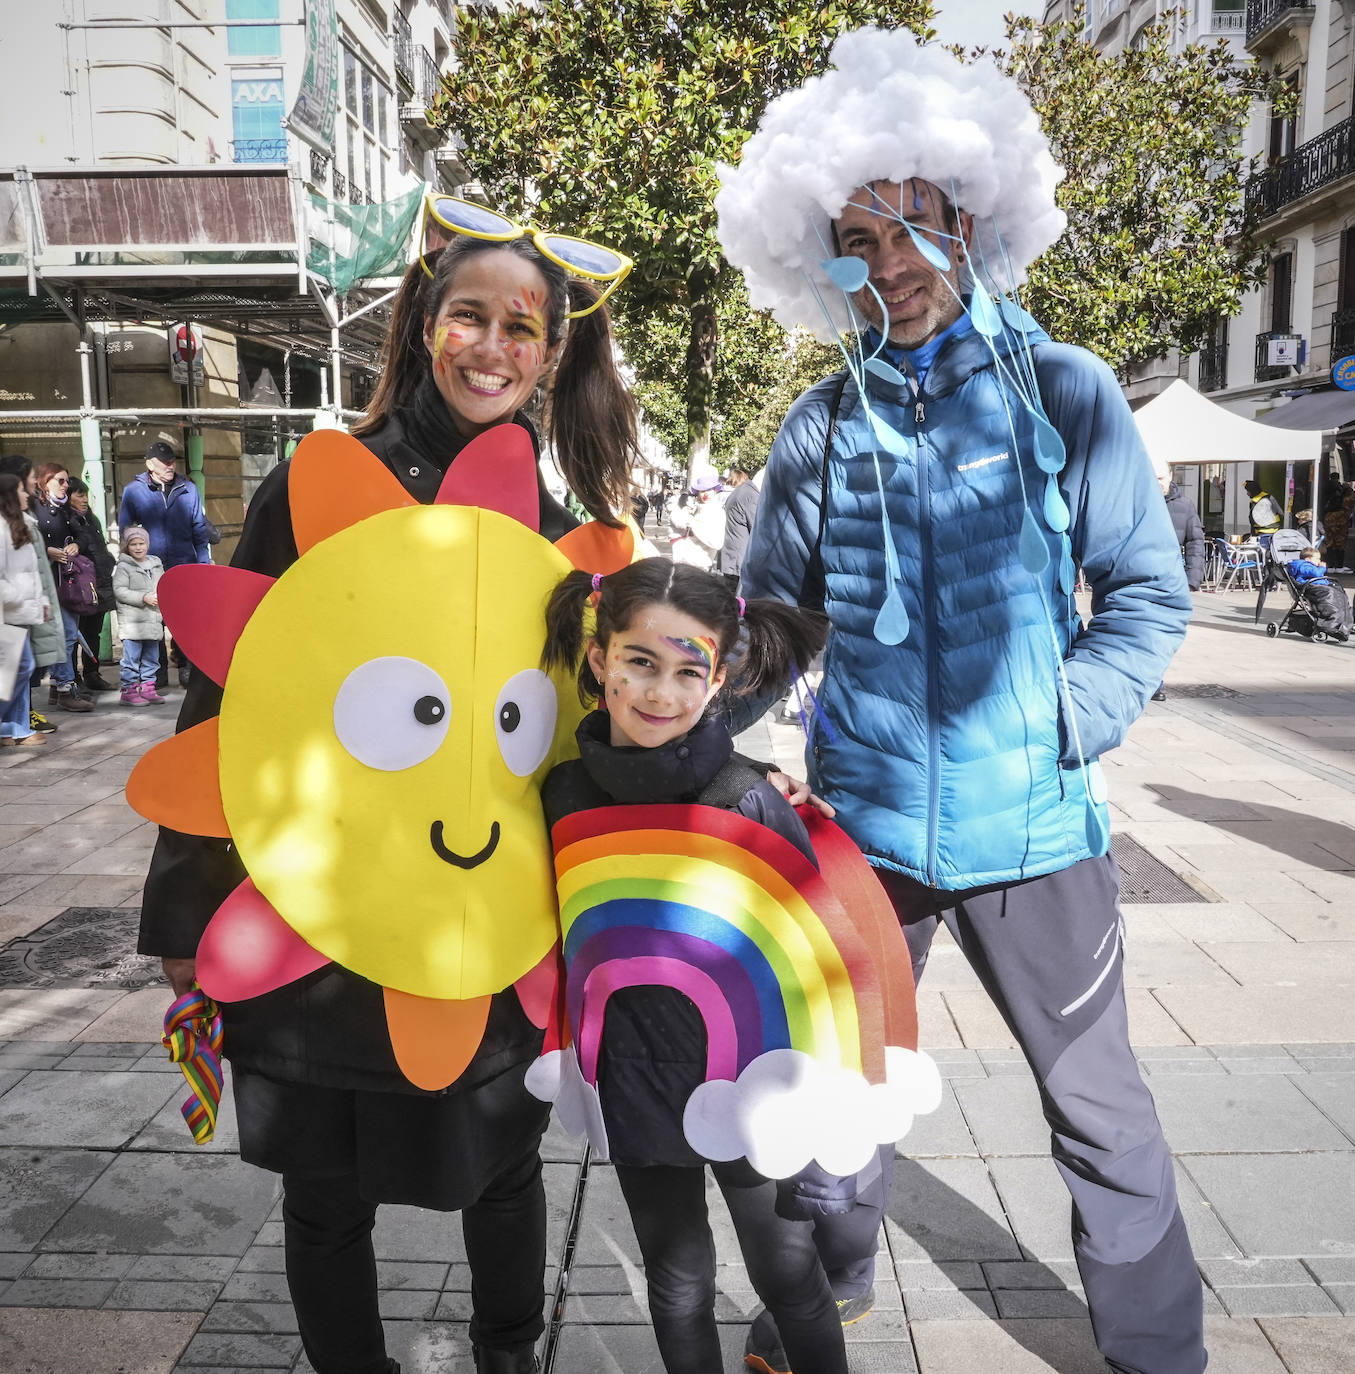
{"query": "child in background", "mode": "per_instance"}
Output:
(139, 621)
(657, 659)
(1308, 567)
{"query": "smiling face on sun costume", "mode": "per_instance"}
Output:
(384, 730)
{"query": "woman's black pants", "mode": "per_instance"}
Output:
(331, 1265)
(668, 1210)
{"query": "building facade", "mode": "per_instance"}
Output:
(164, 97)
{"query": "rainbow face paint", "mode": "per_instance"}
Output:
(703, 650)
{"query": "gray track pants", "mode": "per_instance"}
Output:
(1049, 953)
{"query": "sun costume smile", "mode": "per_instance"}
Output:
(383, 734)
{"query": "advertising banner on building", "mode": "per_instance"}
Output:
(317, 98)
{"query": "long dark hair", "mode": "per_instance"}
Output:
(590, 416)
(12, 510)
(779, 636)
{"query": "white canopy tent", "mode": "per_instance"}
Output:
(1181, 427)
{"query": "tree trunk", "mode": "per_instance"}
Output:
(701, 345)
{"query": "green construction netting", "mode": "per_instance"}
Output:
(351, 242)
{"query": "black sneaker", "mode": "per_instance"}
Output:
(95, 683)
(1160, 694)
(762, 1350)
(40, 723)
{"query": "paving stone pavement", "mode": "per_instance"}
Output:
(125, 1247)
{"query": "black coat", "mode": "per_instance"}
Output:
(1189, 533)
(653, 1052)
(329, 1028)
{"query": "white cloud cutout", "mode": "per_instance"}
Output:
(889, 109)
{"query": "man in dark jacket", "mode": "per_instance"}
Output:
(169, 508)
(740, 508)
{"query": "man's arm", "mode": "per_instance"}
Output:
(1124, 541)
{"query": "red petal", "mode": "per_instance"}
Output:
(206, 608)
(248, 949)
(496, 471)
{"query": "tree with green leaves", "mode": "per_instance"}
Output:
(608, 120)
(1160, 243)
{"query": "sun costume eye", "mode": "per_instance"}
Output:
(392, 713)
(387, 813)
(524, 720)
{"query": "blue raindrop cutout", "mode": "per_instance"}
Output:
(1067, 569)
(890, 439)
(1034, 551)
(984, 314)
(1050, 454)
(1098, 839)
(848, 273)
(1096, 783)
(891, 624)
(886, 372)
(928, 249)
(1055, 507)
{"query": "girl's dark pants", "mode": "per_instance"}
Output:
(668, 1210)
(331, 1265)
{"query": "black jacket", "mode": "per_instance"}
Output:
(1189, 533)
(55, 524)
(653, 1053)
(328, 1028)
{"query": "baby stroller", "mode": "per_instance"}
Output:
(1318, 610)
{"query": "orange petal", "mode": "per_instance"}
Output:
(334, 482)
(599, 548)
(175, 783)
(496, 471)
(433, 1039)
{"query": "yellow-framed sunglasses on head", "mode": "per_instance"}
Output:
(447, 215)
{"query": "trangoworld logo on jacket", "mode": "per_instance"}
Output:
(984, 462)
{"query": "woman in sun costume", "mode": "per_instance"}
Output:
(347, 679)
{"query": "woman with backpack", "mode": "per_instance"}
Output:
(52, 512)
(93, 610)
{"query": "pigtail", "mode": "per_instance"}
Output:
(781, 637)
(564, 632)
(404, 357)
(590, 415)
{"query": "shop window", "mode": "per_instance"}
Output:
(252, 41)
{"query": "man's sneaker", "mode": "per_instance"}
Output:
(762, 1350)
(40, 723)
(72, 701)
(95, 683)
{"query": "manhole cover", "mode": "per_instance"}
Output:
(84, 947)
(1206, 689)
(1144, 879)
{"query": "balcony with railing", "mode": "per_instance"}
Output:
(423, 82)
(1228, 20)
(319, 170)
(1267, 19)
(340, 185)
(259, 149)
(1342, 334)
(1214, 366)
(1321, 162)
(402, 40)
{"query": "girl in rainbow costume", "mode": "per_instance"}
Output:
(753, 1020)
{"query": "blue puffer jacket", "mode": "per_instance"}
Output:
(951, 756)
(174, 519)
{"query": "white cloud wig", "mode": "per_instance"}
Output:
(888, 109)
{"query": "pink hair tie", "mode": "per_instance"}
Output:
(597, 582)
(742, 605)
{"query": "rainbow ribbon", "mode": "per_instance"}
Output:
(193, 1038)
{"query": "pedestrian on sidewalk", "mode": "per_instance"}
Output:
(25, 605)
(938, 504)
(169, 507)
(52, 513)
(141, 627)
(698, 528)
(319, 1097)
(1189, 534)
(664, 633)
(740, 508)
(89, 535)
(48, 639)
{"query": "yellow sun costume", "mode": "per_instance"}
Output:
(384, 800)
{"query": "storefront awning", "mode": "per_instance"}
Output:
(1324, 410)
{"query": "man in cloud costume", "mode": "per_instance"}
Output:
(936, 498)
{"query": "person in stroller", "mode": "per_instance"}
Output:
(1326, 604)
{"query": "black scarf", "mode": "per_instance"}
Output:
(674, 772)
